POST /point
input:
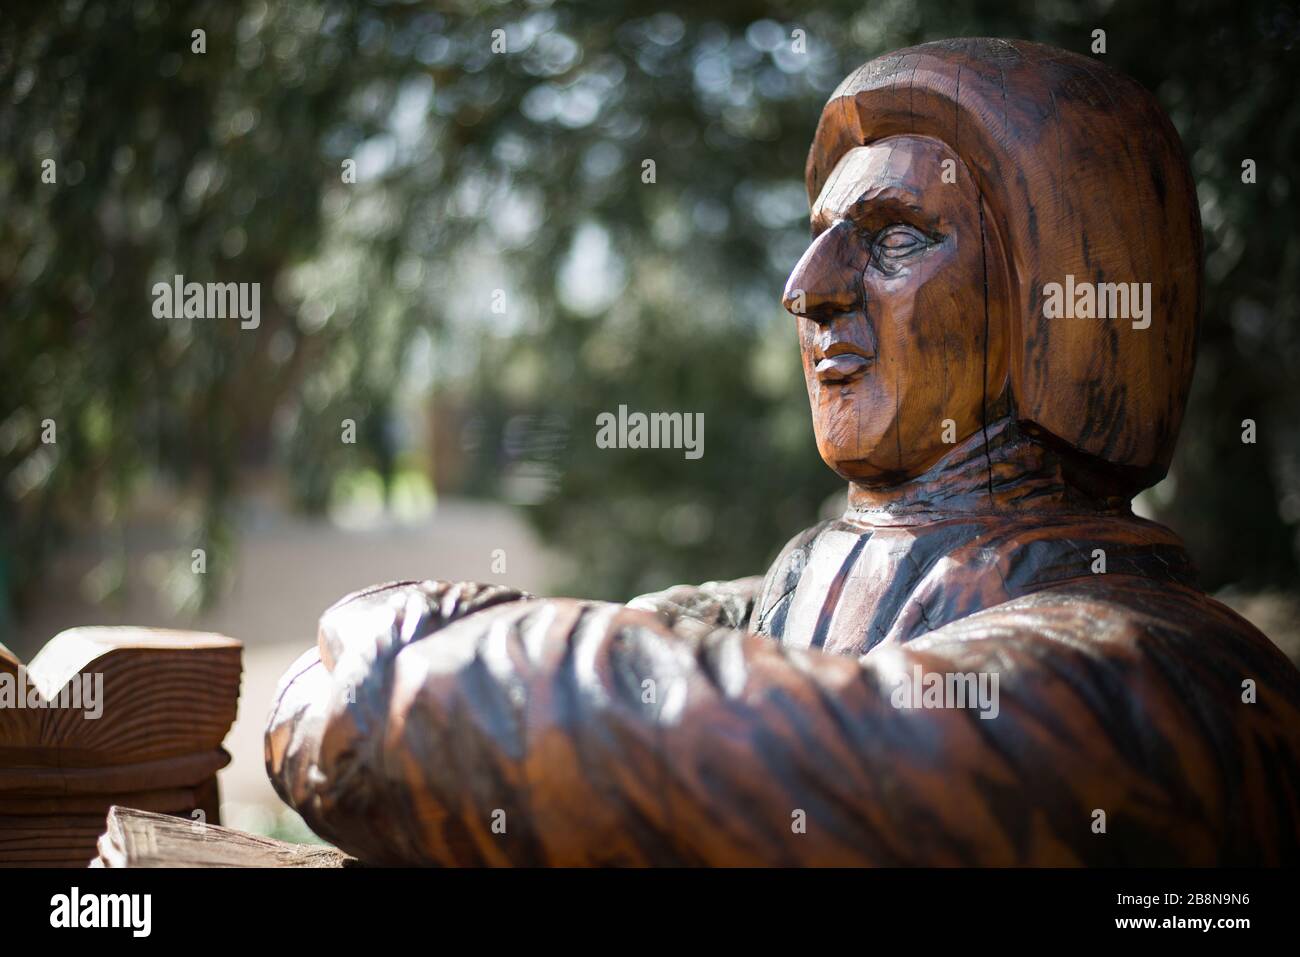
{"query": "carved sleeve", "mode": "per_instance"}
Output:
(567, 732)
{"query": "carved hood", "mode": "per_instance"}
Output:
(1081, 175)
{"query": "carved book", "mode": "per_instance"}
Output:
(141, 839)
(105, 716)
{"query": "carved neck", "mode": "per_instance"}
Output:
(996, 471)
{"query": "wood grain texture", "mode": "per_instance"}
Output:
(1080, 173)
(991, 454)
(138, 838)
(164, 702)
(1119, 694)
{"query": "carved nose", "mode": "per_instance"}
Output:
(824, 283)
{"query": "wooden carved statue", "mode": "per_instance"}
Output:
(987, 660)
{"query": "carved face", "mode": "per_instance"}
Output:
(891, 304)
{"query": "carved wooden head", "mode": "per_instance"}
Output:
(997, 224)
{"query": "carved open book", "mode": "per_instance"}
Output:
(140, 839)
(104, 716)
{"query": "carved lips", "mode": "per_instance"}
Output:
(840, 362)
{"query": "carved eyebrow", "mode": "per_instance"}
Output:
(879, 208)
(889, 203)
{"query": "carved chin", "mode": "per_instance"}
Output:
(853, 423)
(848, 450)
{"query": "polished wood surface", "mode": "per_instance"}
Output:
(1079, 173)
(991, 449)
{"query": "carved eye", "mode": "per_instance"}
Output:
(898, 242)
(895, 243)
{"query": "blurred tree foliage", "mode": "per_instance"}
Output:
(517, 180)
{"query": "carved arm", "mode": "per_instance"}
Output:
(570, 732)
